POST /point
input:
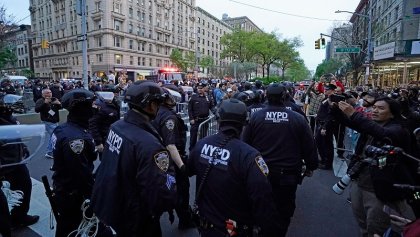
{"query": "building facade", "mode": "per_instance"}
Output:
(241, 22)
(209, 31)
(130, 36)
(19, 40)
(395, 39)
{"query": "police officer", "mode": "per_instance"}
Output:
(135, 182)
(18, 175)
(107, 112)
(198, 111)
(324, 134)
(256, 102)
(284, 139)
(233, 192)
(74, 153)
(174, 134)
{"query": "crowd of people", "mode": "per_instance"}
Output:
(269, 138)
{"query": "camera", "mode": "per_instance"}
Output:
(337, 98)
(379, 157)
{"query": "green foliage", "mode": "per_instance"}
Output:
(28, 73)
(207, 61)
(238, 45)
(182, 61)
(328, 66)
(297, 71)
(268, 80)
(7, 57)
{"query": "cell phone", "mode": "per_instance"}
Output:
(388, 210)
(337, 98)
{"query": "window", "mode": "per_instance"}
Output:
(130, 12)
(143, 61)
(117, 7)
(117, 25)
(117, 41)
(118, 59)
(98, 6)
(130, 28)
(150, 47)
(130, 45)
(99, 58)
(131, 60)
(98, 41)
(138, 61)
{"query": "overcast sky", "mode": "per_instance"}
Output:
(268, 20)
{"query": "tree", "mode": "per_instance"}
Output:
(328, 66)
(237, 45)
(297, 71)
(7, 56)
(178, 59)
(288, 53)
(207, 62)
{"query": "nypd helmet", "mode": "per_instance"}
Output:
(233, 110)
(277, 92)
(142, 93)
(77, 97)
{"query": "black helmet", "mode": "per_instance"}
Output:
(276, 93)
(169, 99)
(75, 97)
(7, 87)
(233, 110)
(258, 84)
(276, 89)
(141, 93)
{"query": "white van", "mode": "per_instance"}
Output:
(20, 79)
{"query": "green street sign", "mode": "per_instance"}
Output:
(347, 50)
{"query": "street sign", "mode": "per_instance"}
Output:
(347, 50)
(81, 38)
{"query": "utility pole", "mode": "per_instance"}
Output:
(369, 42)
(84, 44)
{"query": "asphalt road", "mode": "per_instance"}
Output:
(319, 211)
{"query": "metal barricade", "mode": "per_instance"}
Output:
(182, 109)
(207, 127)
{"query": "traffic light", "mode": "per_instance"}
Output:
(323, 43)
(45, 44)
(317, 44)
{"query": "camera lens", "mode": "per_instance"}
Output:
(339, 187)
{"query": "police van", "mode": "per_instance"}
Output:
(19, 79)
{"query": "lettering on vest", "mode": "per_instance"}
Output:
(276, 117)
(221, 156)
(114, 142)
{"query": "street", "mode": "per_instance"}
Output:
(319, 211)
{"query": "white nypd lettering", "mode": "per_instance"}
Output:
(277, 117)
(218, 155)
(114, 142)
(253, 110)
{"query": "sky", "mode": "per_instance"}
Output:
(266, 14)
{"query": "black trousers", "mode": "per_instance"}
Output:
(5, 220)
(69, 207)
(194, 132)
(325, 146)
(183, 188)
(148, 226)
(19, 179)
(284, 198)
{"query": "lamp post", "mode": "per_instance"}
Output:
(369, 38)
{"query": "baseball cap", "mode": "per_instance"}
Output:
(229, 90)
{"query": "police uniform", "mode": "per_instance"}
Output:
(19, 179)
(105, 115)
(74, 153)
(173, 131)
(284, 139)
(135, 182)
(198, 110)
(325, 142)
(236, 188)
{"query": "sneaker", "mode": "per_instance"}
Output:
(49, 156)
(26, 221)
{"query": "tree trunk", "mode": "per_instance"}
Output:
(268, 70)
(263, 70)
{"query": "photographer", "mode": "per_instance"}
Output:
(48, 108)
(373, 187)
